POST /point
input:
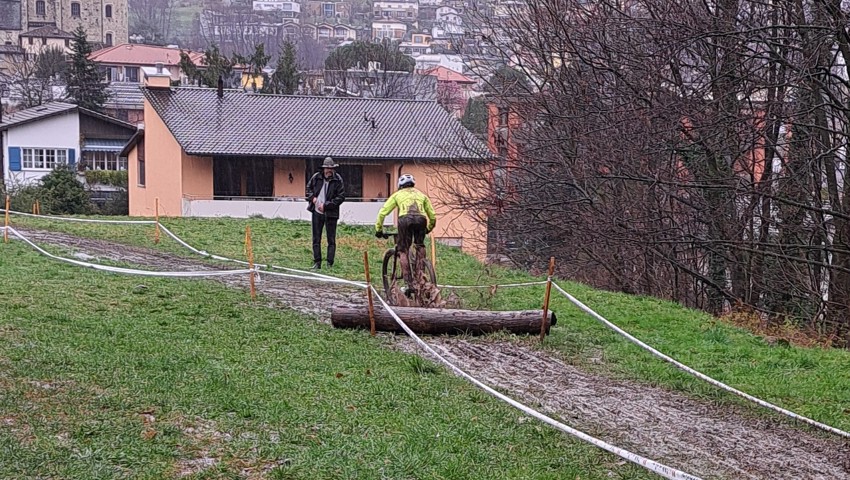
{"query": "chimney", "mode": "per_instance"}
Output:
(156, 77)
(220, 87)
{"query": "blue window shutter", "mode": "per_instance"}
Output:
(72, 157)
(15, 159)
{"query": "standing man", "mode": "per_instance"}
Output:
(325, 193)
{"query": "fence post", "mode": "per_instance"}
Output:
(369, 294)
(434, 253)
(156, 228)
(6, 230)
(546, 299)
(249, 248)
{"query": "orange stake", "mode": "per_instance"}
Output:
(250, 250)
(6, 230)
(434, 253)
(369, 294)
(544, 323)
(37, 206)
(156, 228)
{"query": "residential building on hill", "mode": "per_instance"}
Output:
(208, 152)
(104, 21)
(123, 63)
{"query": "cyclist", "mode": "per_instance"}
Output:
(416, 218)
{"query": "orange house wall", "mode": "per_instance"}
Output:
(375, 181)
(451, 222)
(163, 172)
(197, 176)
(282, 168)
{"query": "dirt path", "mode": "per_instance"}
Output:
(694, 436)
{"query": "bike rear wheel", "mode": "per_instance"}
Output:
(388, 273)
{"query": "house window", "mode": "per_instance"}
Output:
(108, 39)
(503, 116)
(329, 9)
(39, 7)
(67, 43)
(242, 177)
(29, 40)
(104, 161)
(75, 9)
(140, 161)
(108, 12)
(131, 74)
(44, 158)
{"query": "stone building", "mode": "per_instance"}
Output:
(105, 21)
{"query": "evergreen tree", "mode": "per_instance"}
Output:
(361, 53)
(475, 116)
(285, 78)
(86, 85)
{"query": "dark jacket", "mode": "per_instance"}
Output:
(333, 197)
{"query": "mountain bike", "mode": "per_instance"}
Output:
(395, 288)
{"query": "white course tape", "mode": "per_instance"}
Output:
(128, 271)
(696, 373)
(314, 279)
(305, 275)
(663, 470)
(504, 285)
(83, 220)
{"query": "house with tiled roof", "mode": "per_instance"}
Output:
(207, 152)
(36, 140)
(123, 63)
(40, 39)
(453, 89)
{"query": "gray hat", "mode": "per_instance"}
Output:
(329, 163)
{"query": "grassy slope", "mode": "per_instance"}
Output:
(101, 377)
(809, 381)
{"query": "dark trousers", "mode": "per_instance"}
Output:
(320, 222)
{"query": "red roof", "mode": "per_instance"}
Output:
(444, 74)
(145, 55)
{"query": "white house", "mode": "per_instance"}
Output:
(36, 140)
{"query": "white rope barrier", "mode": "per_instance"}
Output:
(128, 271)
(696, 373)
(313, 275)
(82, 220)
(503, 285)
(663, 470)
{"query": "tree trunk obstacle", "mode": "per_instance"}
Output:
(438, 321)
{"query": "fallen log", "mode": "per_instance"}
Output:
(438, 321)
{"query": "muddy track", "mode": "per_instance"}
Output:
(695, 436)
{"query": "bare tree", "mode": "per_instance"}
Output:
(691, 150)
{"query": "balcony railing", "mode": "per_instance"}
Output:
(354, 211)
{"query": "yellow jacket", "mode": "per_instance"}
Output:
(408, 201)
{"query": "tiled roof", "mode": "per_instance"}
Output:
(11, 49)
(125, 95)
(299, 126)
(444, 74)
(51, 109)
(137, 54)
(36, 113)
(48, 31)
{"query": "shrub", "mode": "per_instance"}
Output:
(63, 193)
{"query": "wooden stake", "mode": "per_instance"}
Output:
(434, 253)
(369, 295)
(156, 228)
(6, 230)
(546, 299)
(33, 208)
(250, 249)
(37, 206)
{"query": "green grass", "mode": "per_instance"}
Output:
(812, 382)
(109, 376)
